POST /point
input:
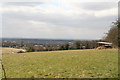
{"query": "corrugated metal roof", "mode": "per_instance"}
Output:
(104, 42)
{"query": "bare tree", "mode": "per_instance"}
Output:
(112, 35)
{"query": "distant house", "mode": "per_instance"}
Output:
(104, 45)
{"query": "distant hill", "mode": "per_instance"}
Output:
(35, 39)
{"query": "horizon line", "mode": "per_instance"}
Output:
(45, 38)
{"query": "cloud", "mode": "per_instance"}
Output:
(55, 20)
(97, 5)
(22, 3)
(112, 11)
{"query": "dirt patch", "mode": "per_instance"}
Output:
(6, 50)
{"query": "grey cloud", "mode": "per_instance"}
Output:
(80, 21)
(77, 26)
(97, 5)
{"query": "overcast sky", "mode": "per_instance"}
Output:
(58, 19)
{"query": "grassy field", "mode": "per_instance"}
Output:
(63, 64)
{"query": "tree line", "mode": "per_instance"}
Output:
(79, 44)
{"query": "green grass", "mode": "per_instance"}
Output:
(63, 64)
